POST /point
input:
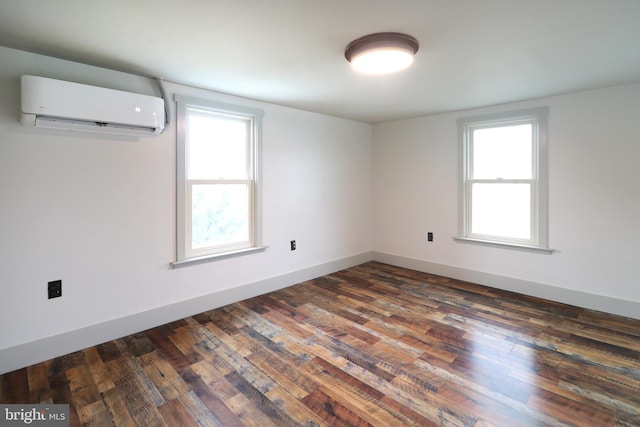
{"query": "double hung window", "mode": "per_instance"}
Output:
(503, 183)
(217, 179)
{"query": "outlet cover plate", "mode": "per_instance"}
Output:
(55, 289)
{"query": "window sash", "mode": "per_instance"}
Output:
(248, 122)
(533, 212)
(531, 170)
(191, 250)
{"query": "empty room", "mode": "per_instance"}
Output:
(319, 213)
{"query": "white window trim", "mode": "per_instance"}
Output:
(183, 257)
(540, 181)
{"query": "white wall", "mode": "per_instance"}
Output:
(99, 214)
(594, 202)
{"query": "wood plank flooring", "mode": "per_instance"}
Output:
(371, 345)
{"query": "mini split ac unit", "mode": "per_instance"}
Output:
(59, 104)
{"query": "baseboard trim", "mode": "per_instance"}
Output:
(27, 354)
(566, 296)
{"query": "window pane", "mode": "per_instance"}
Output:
(220, 214)
(218, 146)
(502, 152)
(501, 210)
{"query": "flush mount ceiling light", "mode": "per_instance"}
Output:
(381, 53)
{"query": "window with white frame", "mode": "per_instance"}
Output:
(504, 179)
(217, 179)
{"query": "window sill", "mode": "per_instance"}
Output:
(215, 257)
(527, 248)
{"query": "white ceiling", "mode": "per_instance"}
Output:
(291, 52)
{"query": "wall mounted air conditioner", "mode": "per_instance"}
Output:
(59, 104)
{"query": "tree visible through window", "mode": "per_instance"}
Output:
(217, 178)
(504, 178)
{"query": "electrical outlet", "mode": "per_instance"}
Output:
(429, 236)
(293, 245)
(55, 289)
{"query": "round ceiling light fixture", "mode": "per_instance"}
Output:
(381, 53)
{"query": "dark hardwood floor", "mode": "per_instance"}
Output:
(370, 345)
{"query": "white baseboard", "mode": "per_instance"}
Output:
(567, 296)
(27, 354)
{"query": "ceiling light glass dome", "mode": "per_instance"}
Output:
(381, 53)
